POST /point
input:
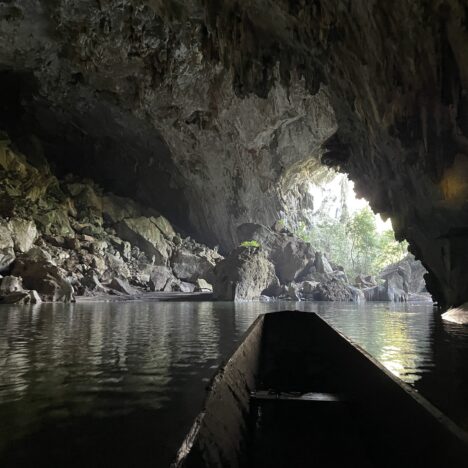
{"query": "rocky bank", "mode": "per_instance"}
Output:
(60, 239)
(272, 263)
(214, 112)
(66, 238)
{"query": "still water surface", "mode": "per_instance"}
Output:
(118, 384)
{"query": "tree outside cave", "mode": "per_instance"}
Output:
(354, 243)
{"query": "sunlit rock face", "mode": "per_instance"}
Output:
(209, 109)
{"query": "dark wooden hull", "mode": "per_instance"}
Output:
(297, 393)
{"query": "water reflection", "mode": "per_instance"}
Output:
(127, 379)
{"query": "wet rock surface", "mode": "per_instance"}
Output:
(402, 281)
(62, 239)
(211, 112)
(246, 274)
(308, 275)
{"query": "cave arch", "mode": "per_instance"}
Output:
(204, 108)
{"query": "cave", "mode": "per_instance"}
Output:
(211, 111)
(150, 153)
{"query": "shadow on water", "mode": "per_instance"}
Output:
(118, 384)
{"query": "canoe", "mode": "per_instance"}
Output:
(297, 393)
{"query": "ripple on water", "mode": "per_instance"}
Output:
(134, 374)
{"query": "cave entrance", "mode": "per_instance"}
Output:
(324, 209)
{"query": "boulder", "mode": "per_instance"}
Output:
(10, 284)
(145, 234)
(244, 275)
(321, 264)
(385, 292)
(87, 201)
(186, 287)
(289, 254)
(357, 294)
(115, 268)
(123, 247)
(293, 292)
(308, 287)
(160, 277)
(122, 286)
(91, 283)
(458, 315)
(407, 274)
(54, 222)
(335, 289)
(7, 254)
(39, 273)
(188, 266)
(7, 257)
(23, 233)
(116, 209)
(203, 286)
(17, 297)
(164, 226)
(363, 281)
(34, 297)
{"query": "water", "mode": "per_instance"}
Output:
(118, 384)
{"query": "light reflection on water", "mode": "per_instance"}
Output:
(126, 379)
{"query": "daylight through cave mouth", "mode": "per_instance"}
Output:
(208, 114)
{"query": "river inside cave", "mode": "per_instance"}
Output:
(118, 384)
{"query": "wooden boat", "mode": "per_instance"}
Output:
(297, 393)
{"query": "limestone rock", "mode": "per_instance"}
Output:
(6, 241)
(321, 264)
(116, 209)
(363, 281)
(164, 226)
(123, 247)
(34, 297)
(203, 285)
(160, 277)
(407, 274)
(17, 297)
(144, 233)
(289, 255)
(357, 294)
(215, 131)
(54, 222)
(7, 257)
(122, 286)
(115, 267)
(389, 291)
(91, 283)
(458, 315)
(23, 233)
(188, 266)
(308, 287)
(7, 254)
(333, 290)
(244, 276)
(10, 284)
(186, 287)
(293, 292)
(40, 274)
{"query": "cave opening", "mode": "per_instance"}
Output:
(323, 209)
(171, 170)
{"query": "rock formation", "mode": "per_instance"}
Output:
(402, 281)
(63, 238)
(279, 266)
(209, 111)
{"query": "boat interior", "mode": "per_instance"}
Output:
(297, 393)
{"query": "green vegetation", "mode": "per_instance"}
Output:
(251, 243)
(355, 243)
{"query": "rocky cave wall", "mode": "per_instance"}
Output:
(210, 109)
